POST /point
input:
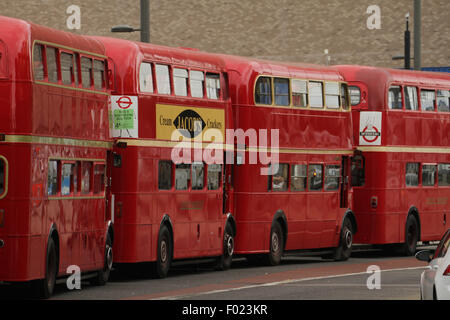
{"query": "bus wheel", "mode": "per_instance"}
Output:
(344, 250)
(164, 258)
(276, 245)
(411, 236)
(103, 275)
(224, 261)
(45, 287)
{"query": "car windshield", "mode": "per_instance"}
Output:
(443, 246)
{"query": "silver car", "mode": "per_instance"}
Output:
(435, 280)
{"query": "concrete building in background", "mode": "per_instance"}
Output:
(368, 32)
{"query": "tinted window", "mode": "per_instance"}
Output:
(38, 62)
(395, 97)
(263, 91)
(52, 66)
(298, 177)
(281, 91)
(412, 174)
(165, 175)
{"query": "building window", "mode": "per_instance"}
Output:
(332, 95)
(281, 91)
(428, 175)
(315, 177)
(444, 174)
(395, 98)
(298, 177)
(146, 77)
(180, 78)
(165, 175)
(412, 174)
(214, 173)
(315, 94)
(162, 79)
(411, 102)
(38, 62)
(299, 93)
(213, 86)
(263, 91)
(197, 79)
(427, 99)
(332, 176)
(52, 64)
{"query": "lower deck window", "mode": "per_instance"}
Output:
(412, 174)
(280, 177)
(52, 181)
(444, 174)
(315, 177)
(2, 176)
(332, 175)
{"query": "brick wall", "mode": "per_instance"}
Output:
(289, 30)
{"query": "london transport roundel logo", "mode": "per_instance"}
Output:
(124, 102)
(370, 136)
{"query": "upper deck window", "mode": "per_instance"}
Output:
(411, 102)
(38, 62)
(263, 91)
(162, 79)
(180, 82)
(355, 95)
(197, 79)
(67, 68)
(99, 74)
(282, 95)
(86, 72)
(427, 99)
(332, 95)
(299, 93)
(213, 85)
(344, 96)
(395, 98)
(443, 100)
(52, 64)
(315, 94)
(146, 77)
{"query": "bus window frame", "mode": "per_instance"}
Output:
(5, 176)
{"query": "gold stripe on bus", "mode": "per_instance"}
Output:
(404, 149)
(50, 84)
(57, 141)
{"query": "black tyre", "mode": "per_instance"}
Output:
(164, 258)
(103, 275)
(411, 236)
(224, 261)
(44, 288)
(344, 251)
(276, 245)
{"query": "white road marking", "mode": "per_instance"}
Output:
(276, 283)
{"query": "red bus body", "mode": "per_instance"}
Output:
(307, 136)
(196, 217)
(401, 156)
(45, 121)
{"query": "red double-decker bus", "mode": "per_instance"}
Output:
(302, 200)
(168, 205)
(53, 155)
(401, 172)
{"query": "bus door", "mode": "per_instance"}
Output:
(345, 181)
